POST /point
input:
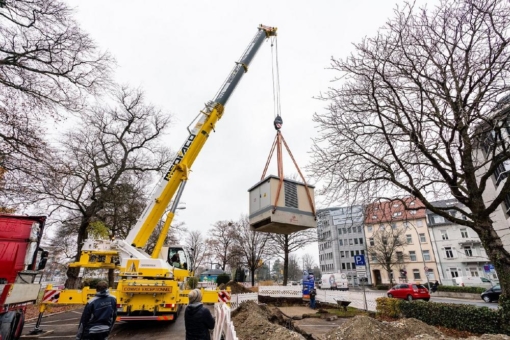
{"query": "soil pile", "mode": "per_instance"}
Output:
(251, 322)
(364, 327)
(236, 288)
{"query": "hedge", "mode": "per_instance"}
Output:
(460, 289)
(389, 307)
(469, 318)
(382, 287)
(222, 278)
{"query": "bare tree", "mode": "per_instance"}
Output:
(108, 145)
(251, 245)
(221, 242)
(197, 249)
(388, 249)
(308, 261)
(46, 63)
(414, 104)
(285, 244)
(46, 56)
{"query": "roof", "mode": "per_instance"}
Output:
(404, 209)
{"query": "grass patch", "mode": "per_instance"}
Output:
(349, 313)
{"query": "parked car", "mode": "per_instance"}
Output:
(409, 291)
(491, 294)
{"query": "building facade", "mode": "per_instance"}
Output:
(397, 236)
(458, 249)
(341, 237)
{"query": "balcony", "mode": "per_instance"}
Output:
(471, 241)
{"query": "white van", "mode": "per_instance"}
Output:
(472, 281)
(337, 281)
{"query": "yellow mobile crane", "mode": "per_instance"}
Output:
(150, 286)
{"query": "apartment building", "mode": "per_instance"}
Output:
(489, 144)
(458, 249)
(397, 236)
(341, 237)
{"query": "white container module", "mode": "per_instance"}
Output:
(291, 213)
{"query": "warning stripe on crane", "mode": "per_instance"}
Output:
(223, 296)
(51, 296)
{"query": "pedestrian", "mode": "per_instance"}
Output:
(99, 315)
(434, 287)
(313, 293)
(198, 320)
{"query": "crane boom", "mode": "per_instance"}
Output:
(178, 172)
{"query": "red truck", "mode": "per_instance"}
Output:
(21, 262)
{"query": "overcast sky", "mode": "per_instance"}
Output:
(180, 52)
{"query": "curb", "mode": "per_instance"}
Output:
(50, 314)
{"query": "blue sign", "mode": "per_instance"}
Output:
(359, 260)
(308, 285)
(489, 268)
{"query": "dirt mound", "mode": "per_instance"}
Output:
(236, 288)
(364, 327)
(251, 322)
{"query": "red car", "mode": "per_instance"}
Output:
(409, 291)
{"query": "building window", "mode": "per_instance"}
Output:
(416, 274)
(468, 251)
(349, 230)
(371, 241)
(342, 254)
(369, 228)
(339, 231)
(412, 255)
(352, 253)
(341, 242)
(343, 265)
(346, 254)
(350, 241)
(362, 252)
(355, 241)
(353, 265)
(454, 272)
(359, 229)
(473, 271)
(436, 219)
(426, 255)
(464, 233)
(348, 266)
(361, 240)
(449, 252)
(344, 230)
(423, 239)
(444, 234)
(419, 223)
(400, 256)
(373, 256)
(357, 252)
(409, 239)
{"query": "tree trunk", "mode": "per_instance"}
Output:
(252, 273)
(73, 280)
(500, 258)
(286, 261)
(111, 278)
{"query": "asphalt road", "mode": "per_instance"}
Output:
(65, 326)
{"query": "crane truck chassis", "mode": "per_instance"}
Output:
(150, 287)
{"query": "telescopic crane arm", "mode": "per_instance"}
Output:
(171, 186)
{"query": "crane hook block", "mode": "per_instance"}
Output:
(278, 122)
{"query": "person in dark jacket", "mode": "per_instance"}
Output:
(99, 315)
(434, 287)
(198, 320)
(313, 293)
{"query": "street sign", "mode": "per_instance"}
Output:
(361, 268)
(426, 269)
(362, 274)
(359, 260)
